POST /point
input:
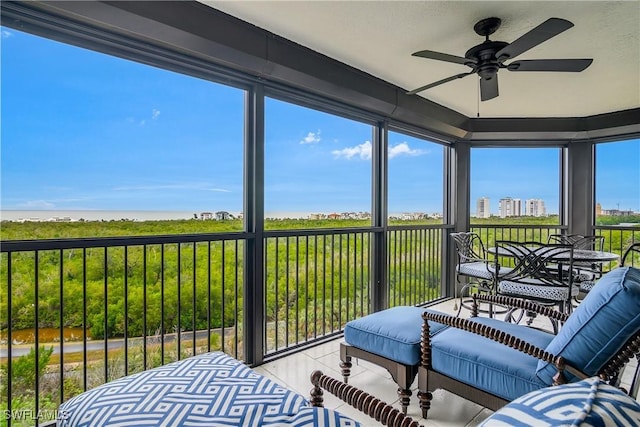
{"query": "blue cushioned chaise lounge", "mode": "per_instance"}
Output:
(491, 362)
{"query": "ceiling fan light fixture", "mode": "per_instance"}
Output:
(486, 58)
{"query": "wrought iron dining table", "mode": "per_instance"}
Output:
(579, 255)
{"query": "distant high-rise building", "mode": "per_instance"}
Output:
(535, 207)
(510, 207)
(482, 208)
(598, 209)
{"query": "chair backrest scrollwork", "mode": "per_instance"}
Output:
(469, 247)
(627, 257)
(534, 262)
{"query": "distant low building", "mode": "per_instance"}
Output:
(223, 216)
(409, 216)
(206, 215)
(616, 212)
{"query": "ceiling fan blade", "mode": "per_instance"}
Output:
(439, 82)
(543, 32)
(488, 88)
(429, 54)
(568, 65)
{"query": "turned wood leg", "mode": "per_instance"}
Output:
(425, 402)
(405, 398)
(346, 368)
(316, 392)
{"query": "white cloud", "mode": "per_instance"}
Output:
(362, 151)
(403, 149)
(5, 34)
(143, 122)
(311, 138)
(37, 204)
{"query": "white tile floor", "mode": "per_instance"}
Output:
(447, 410)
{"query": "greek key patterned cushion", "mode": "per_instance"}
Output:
(211, 389)
(590, 402)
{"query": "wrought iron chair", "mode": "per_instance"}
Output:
(474, 267)
(586, 272)
(542, 273)
(630, 253)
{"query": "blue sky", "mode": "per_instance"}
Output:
(82, 130)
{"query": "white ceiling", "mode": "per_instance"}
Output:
(378, 37)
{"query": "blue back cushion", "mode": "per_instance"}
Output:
(602, 323)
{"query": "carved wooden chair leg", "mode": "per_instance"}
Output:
(346, 368)
(405, 398)
(425, 402)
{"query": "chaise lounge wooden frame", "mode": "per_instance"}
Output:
(403, 375)
(364, 402)
(430, 380)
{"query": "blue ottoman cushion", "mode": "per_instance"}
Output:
(487, 364)
(393, 333)
(602, 323)
(590, 402)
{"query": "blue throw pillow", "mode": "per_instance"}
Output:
(602, 323)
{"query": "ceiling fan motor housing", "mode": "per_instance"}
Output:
(484, 56)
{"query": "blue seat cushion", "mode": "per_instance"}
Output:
(393, 333)
(603, 322)
(590, 402)
(486, 364)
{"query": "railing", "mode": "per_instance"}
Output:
(415, 264)
(316, 282)
(75, 313)
(80, 312)
(618, 238)
(517, 233)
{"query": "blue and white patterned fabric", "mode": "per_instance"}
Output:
(211, 389)
(590, 402)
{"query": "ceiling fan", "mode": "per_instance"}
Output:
(488, 57)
